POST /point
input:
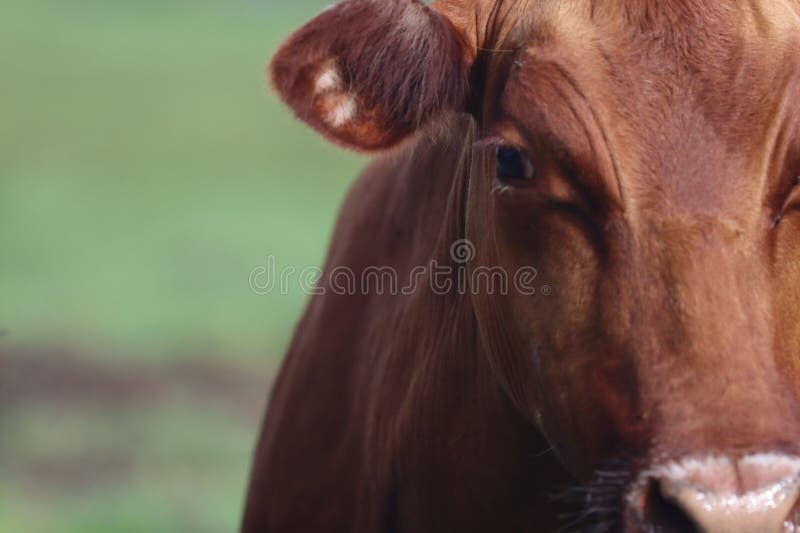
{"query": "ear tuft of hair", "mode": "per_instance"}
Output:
(369, 73)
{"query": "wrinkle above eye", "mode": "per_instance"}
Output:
(781, 166)
(546, 105)
(560, 175)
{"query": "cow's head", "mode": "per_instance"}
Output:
(644, 157)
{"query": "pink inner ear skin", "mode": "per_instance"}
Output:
(366, 75)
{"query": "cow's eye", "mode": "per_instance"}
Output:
(513, 166)
(791, 203)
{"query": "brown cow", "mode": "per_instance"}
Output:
(642, 156)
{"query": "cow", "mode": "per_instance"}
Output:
(642, 159)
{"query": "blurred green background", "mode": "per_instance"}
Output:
(145, 172)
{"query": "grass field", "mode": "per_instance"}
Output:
(144, 173)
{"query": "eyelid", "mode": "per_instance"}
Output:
(505, 133)
(494, 141)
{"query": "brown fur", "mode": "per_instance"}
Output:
(397, 58)
(666, 137)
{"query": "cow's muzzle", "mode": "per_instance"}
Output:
(752, 494)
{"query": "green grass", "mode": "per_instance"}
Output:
(138, 470)
(145, 171)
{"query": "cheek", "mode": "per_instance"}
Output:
(786, 295)
(549, 270)
(567, 275)
(583, 377)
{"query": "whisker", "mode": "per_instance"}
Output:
(572, 524)
(542, 454)
(601, 499)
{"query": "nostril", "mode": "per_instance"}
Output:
(766, 510)
(664, 515)
(755, 494)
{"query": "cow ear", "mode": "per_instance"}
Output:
(369, 73)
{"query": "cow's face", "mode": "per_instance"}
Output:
(643, 158)
(646, 167)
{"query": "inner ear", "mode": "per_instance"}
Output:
(367, 74)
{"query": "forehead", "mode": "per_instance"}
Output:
(689, 88)
(708, 41)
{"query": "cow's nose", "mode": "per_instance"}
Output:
(756, 494)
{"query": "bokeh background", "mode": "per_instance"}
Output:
(145, 172)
